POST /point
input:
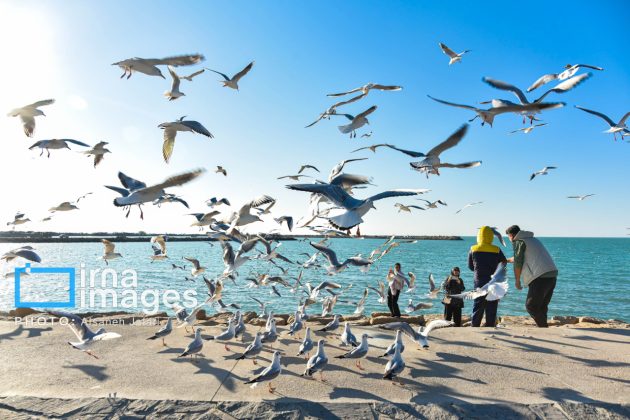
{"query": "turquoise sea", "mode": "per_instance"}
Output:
(594, 275)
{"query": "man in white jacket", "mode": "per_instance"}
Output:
(534, 268)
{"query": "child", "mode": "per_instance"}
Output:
(453, 306)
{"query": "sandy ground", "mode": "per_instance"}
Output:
(463, 365)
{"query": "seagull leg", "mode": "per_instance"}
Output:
(226, 347)
(321, 376)
(271, 388)
(163, 343)
(359, 365)
(141, 212)
(91, 354)
(254, 361)
(128, 211)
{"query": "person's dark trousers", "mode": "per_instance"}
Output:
(453, 313)
(481, 306)
(392, 303)
(538, 298)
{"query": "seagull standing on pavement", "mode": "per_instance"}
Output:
(270, 373)
(163, 332)
(28, 113)
(358, 352)
(317, 362)
(171, 129)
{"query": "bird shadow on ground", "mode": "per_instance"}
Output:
(93, 371)
(37, 332)
(542, 340)
(623, 381)
(345, 392)
(615, 331)
(591, 338)
(11, 334)
(438, 370)
(458, 343)
(596, 363)
(225, 376)
(528, 346)
(171, 350)
(456, 358)
(436, 393)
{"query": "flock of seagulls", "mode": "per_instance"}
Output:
(332, 200)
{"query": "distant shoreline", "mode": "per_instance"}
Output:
(70, 237)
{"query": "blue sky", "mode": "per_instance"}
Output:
(304, 50)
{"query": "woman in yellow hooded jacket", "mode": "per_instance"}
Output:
(483, 260)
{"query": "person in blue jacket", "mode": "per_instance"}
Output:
(483, 260)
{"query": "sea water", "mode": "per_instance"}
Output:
(594, 275)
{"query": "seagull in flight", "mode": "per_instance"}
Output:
(220, 170)
(336, 170)
(527, 130)
(495, 289)
(563, 87)
(352, 209)
(468, 205)
(454, 57)
(27, 252)
(214, 201)
(365, 89)
(98, 151)
(149, 67)
(543, 171)
(171, 129)
(109, 251)
(570, 70)
(391, 146)
(304, 167)
(28, 113)
(581, 197)
(432, 204)
(84, 334)
(55, 144)
(615, 128)
(402, 207)
(422, 334)
(159, 251)
(431, 163)
(174, 93)
(137, 193)
(294, 177)
(356, 122)
(170, 198)
(335, 266)
(488, 115)
(19, 219)
(232, 82)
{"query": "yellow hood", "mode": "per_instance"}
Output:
(485, 236)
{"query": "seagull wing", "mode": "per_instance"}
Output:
(435, 324)
(334, 193)
(407, 152)
(225, 76)
(197, 128)
(176, 180)
(109, 246)
(386, 87)
(192, 75)
(243, 72)
(40, 103)
(543, 80)
(349, 101)
(77, 142)
(431, 282)
(599, 114)
(403, 326)
(372, 147)
(76, 324)
(461, 165)
(367, 112)
(396, 193)
(130, 183)
(453, 104)
(566, 85)
(28, 123)
(446, 50)
(498, 84)
(194, 261)
(175, 77)
(176, 61)
(28, 254)
(346, 93)
(330, 255)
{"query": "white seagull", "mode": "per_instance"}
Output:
(109, 251)
(307, 344)
(317, 362)
(171, 129)
(422, 334)
(395, 366)
(136, 192)
(468, 205)
(432, 163)
(365, 89)
(353, 209)
(55, 144)
(98, 151)
(86, 336)
(28, 113)
(543, 171)
(253, 349)
(495, 289)
(163, 332)
(335, 266)
(356, 122)
(232, 82)
(270, 373)
(454, 57)
(195, 346)
(570, 70)
(358, 352)
(527, 130)
(149, 67)
(615, 128)
(581, 197)
(488, 115)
